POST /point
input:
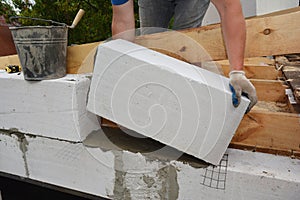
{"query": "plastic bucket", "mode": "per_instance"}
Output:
(42, 51)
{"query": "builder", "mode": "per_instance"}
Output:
(187, 14)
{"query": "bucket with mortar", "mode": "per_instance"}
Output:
(42, 50)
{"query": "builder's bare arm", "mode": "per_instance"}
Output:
(123, 21)
(234, 34)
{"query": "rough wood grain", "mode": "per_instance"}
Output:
(265, 149)
(256, 72)
(272, 34)
(9, 60)
(269, 90)
(261, 61)
(78, 57)
(269, 130)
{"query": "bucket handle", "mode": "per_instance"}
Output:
(11, 19)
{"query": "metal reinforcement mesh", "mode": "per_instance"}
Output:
(215, 176)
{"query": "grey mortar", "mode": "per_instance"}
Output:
(170, 187)
(121, 192)
(148, 180)
(23, 143)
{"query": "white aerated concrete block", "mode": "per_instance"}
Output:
(168, 100)
(51, 108)
(250, 175)
(12, 159)
(71, 165)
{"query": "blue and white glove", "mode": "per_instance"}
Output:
(239, 86)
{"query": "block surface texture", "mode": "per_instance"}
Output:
(98, 167)
(171, 101)
(51, 108)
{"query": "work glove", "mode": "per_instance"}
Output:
(239, 86)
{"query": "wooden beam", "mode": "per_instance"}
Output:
(269, 90)
(265, 149)
(77, 58)
(257, 72)
(78, 55)
(255, 68)
(269, 131)
(107, 123)
(252, 71)
(273, 34)
(9, 60)
(256, 61)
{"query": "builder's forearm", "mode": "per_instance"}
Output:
(234, 31)
(123, 21)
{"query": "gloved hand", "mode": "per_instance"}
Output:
(242, 85)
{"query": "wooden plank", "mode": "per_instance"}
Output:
(255, 68)
(77, 58)
(292, 74)
(77, 55)
(287, 60)
(268, 106)
(264, 149)
(261, 61)
(108, 123)
(278, 132)
(293, 57)
(270, 132)
(9, 60)
(269, 90)
(270, 35)
(256, 72)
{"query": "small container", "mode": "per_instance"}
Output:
(42, 51)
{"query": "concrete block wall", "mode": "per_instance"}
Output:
(115, 173)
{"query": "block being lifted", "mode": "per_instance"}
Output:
(163, 98)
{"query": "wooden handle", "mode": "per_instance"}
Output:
(77, 18)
